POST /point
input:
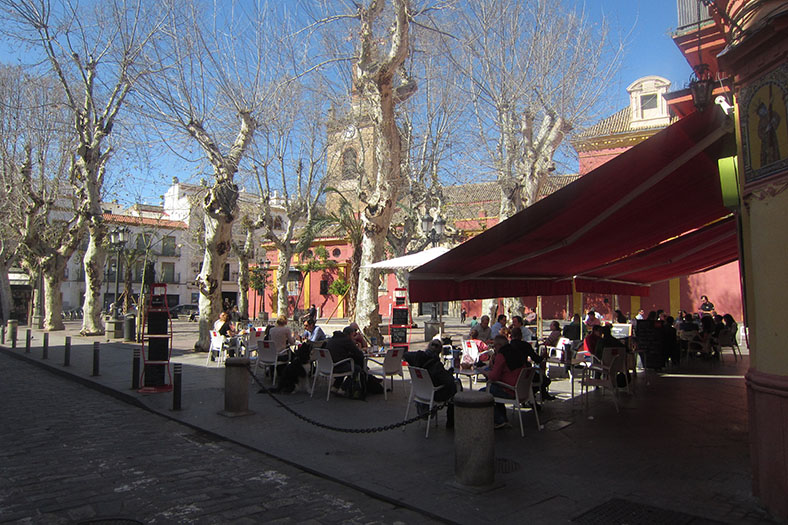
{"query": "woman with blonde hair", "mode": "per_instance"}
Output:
(281, 335)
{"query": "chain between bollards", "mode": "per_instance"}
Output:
(28, 338)
(67, 352)
(371, 430)
(45, 350)
(177, 371)
(135, 370)
(95, 359)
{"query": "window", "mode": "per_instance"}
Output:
(143, 241)
(292, 288)
(168, 246)
(226, 273)
(648, 102)
(278, 223)
(168, 272)
(195, 297)
(336, 252)
(323, 287)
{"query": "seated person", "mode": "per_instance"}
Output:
(508, 362)
(554, 336)
(430, 360)
(730, 324)
(312, 332)
(341, 346)
(526, 348)
(281, 335)
(573, 329)
(226, 329)
(484, 328)
(499, 324)
(619, 316)
(593, 318)
(530, 315)
(591, 340)
(358, 337)
(224, 326)
(484, 354)
(607, 340)
(517, 322)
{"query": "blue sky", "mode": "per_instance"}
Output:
(645, 27)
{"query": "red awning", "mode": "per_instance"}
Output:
(637, 219)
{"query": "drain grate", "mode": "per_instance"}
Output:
(506, 466)
(622, 512)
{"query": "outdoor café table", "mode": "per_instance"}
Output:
(470, 373)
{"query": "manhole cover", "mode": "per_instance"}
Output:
(622, 512)
(506, 466)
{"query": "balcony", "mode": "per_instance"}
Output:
(171, 278)
(170, 251)
(688, 14)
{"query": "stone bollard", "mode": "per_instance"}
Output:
(135, 369)
(95, 359)
(474, 439)
(13, 329)
(236, 387)
(28, 339)
(177, 375)
(67, 352)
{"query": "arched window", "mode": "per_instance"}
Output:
(278, 223)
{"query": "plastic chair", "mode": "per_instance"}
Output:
(326, 367)
(422, 391)
(392, 366)
(218, 348)
(523, 392)
(255, 335)
(686, 337)
(727, 339)
(267, 355)
(607, 379)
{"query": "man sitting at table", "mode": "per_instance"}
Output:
(554, 336)
(484, 328)
(312, 332)
(430, 360)
(341, 346)
(498, 326)
(526, 348)
(517, 322)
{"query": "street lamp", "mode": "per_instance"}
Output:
(434, 231)
(118, 239)
(264, 264)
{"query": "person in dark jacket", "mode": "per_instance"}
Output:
(430, 360)
(341, 346)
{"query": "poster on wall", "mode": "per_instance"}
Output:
(764, 108)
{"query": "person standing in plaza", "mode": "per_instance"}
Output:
(706, 306)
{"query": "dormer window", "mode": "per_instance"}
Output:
(647, 105)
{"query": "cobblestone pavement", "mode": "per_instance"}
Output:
(69, 454)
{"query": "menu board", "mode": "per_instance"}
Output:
(621, 330)
(399, 335)
(650, 343)
(399, 316)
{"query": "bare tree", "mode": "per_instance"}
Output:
(535, 72)
(41, 183)
(219, 71)
(288, 166)
(93, 54)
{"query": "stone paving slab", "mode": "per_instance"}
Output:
(679, 443)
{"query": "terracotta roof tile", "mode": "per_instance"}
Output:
(144, 221)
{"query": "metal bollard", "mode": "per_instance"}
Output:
(2, 329)
(135, 370)
(474, 439)
(13, 329)
(28, 338)
(95, 359)
(67, 352)
(177, 374)
(236, 387)
(45, 350)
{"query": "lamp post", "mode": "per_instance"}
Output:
(118, 239)
(434, 231)
(263, 264)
